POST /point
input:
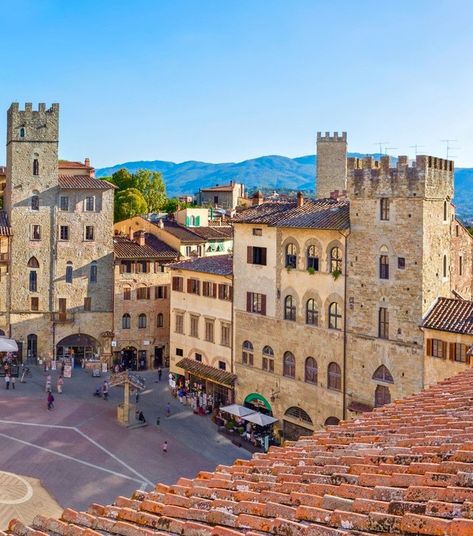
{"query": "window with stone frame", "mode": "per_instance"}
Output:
(291, 256)
(89, 233)
(89, 203)
(247, 356)
(312, 258)
(64, 203)
(334, 316)
(126, 321)
(268, 359)
(93, 272)
(384, 209)
(127, 293)
(194, 327)
(35, 202)
(35, 303)
(69, 272)
(179, 323)
(160, 320)
(437, 348)
(64, 232)
(289, 365)
(209, 329)
(225, 334)
(311, 313)
(178, 284)
(193, 286)
(289, 308)
(334, 377)
(336, 260)
(142, 293)
(383, 323)
(36, 232)
(310, 370)
(384, 267)
(142, 321)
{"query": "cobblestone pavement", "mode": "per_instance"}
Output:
(80, 453)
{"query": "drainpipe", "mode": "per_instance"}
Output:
(345, 337)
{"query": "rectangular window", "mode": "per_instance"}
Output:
(384, 209)
(188, 251)
(142, 293)
(64, 232)
(36, 232)
(179, 323)
(256, 255)
(178, 284)
(142, 267)
(89, 232)
(33, 283)
(437, 348)
(460, 265)
(194, 331)
(179, 352)
(384, 267)
(87, 304)
(126, 267)
(459, 352)
(257, 231)
(198, 357)
(209, 330)
(127, 293)
(383, 325)
(89, 204)
(64, 203)
(225, 339)
(193, 286)
(225, 292)
(35, 304)
(401, 263)
(161, 292)
(222, 365)
(256, 303)
(209, 289)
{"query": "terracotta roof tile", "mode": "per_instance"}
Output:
(83, 182)
(217, 375)
(215, 264)
(153, 249)
(184, 234)
(452, 315)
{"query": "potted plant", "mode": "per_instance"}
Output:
(311, 270)
(336, 274)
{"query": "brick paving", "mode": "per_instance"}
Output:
(82, 455)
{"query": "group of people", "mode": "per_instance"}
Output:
(9, 380)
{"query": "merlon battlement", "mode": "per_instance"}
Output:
(15, 108)
(327, 137)
(422, 162)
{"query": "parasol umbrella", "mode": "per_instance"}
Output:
(260, 419)
(236, 409)
(8, 345)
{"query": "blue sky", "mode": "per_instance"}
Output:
(227, 80)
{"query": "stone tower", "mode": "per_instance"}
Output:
(399, 259)
(331, 163)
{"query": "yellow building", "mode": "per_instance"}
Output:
(201, 324)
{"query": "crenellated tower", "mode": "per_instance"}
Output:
(331, 163)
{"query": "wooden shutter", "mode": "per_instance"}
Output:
(451, 351)
(263, 256)
(467, 357)
(429, 347)
(249, 254)
(175, 284)
(189, 285)
(444, 349)
(263, 304)
(230, 288)
(248, 302)
(214, 290)
(220, 292)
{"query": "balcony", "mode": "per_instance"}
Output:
(62, 318)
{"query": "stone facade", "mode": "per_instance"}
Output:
(224, 196)
(60, 282)
(331, 163)
(461, 264)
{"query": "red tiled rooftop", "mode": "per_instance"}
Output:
(449, 314)
(83, 182)
(406, 468)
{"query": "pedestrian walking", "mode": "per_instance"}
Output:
(50, 400)
(164, 447)
(160, 373)
(60, 383)
(168, 409)
(48, 383)
(13, 382)
(105, 390)
(7, 380)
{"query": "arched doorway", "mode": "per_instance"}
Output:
(257, 402)
(382, 396)
(32, 348)
(79, 347)
(2, 333)
(332, 421)
(129, 356)
(297, 423)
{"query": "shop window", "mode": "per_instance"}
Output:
(289, 308)
(126, 321)
(310, 370)
(334, 375)
(268, 359)
(247, 353)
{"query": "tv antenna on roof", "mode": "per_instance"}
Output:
(416, 147)
(448, 147)
(380, 145)
(386, 149)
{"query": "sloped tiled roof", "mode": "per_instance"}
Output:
(221, 188)
(83, 182)
(68, 164)
(313, 214)
(154, 248)
(452, 315)
(406, 468)
(5, 229)
(206, 371)
(215, 264)
(182, 233)
(214, 233)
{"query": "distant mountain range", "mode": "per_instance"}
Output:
(268, 173)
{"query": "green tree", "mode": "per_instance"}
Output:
(151, 185)
(129, 203)
(123, 179)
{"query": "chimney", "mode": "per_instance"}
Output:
(257, 198)
(300, 199)
(87, 162)
(141, 238)
(130, 233)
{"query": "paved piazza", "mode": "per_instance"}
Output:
(78, 454)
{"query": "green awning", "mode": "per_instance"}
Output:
(256, 396)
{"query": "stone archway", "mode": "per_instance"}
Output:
(79, 346)
(297, 423)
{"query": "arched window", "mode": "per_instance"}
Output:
(142, 321)
(35, 166)
(35, 202)
(334, 374)
(382, 396)
(310, 370)
(289, 308)
(33, 263)
(312, 259)
(69, 271)
(126, 321)
(298, 413)
(332, 421)
(311, 313)
(334, 316)
(22, 132)
(247, 353)
(33, 281)
(93, 272)
(444, 266)
(289, 365)
(383, 267)
(160, 320)
(268, 359)
(382, 374)
(291, 256)
(336, 260)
